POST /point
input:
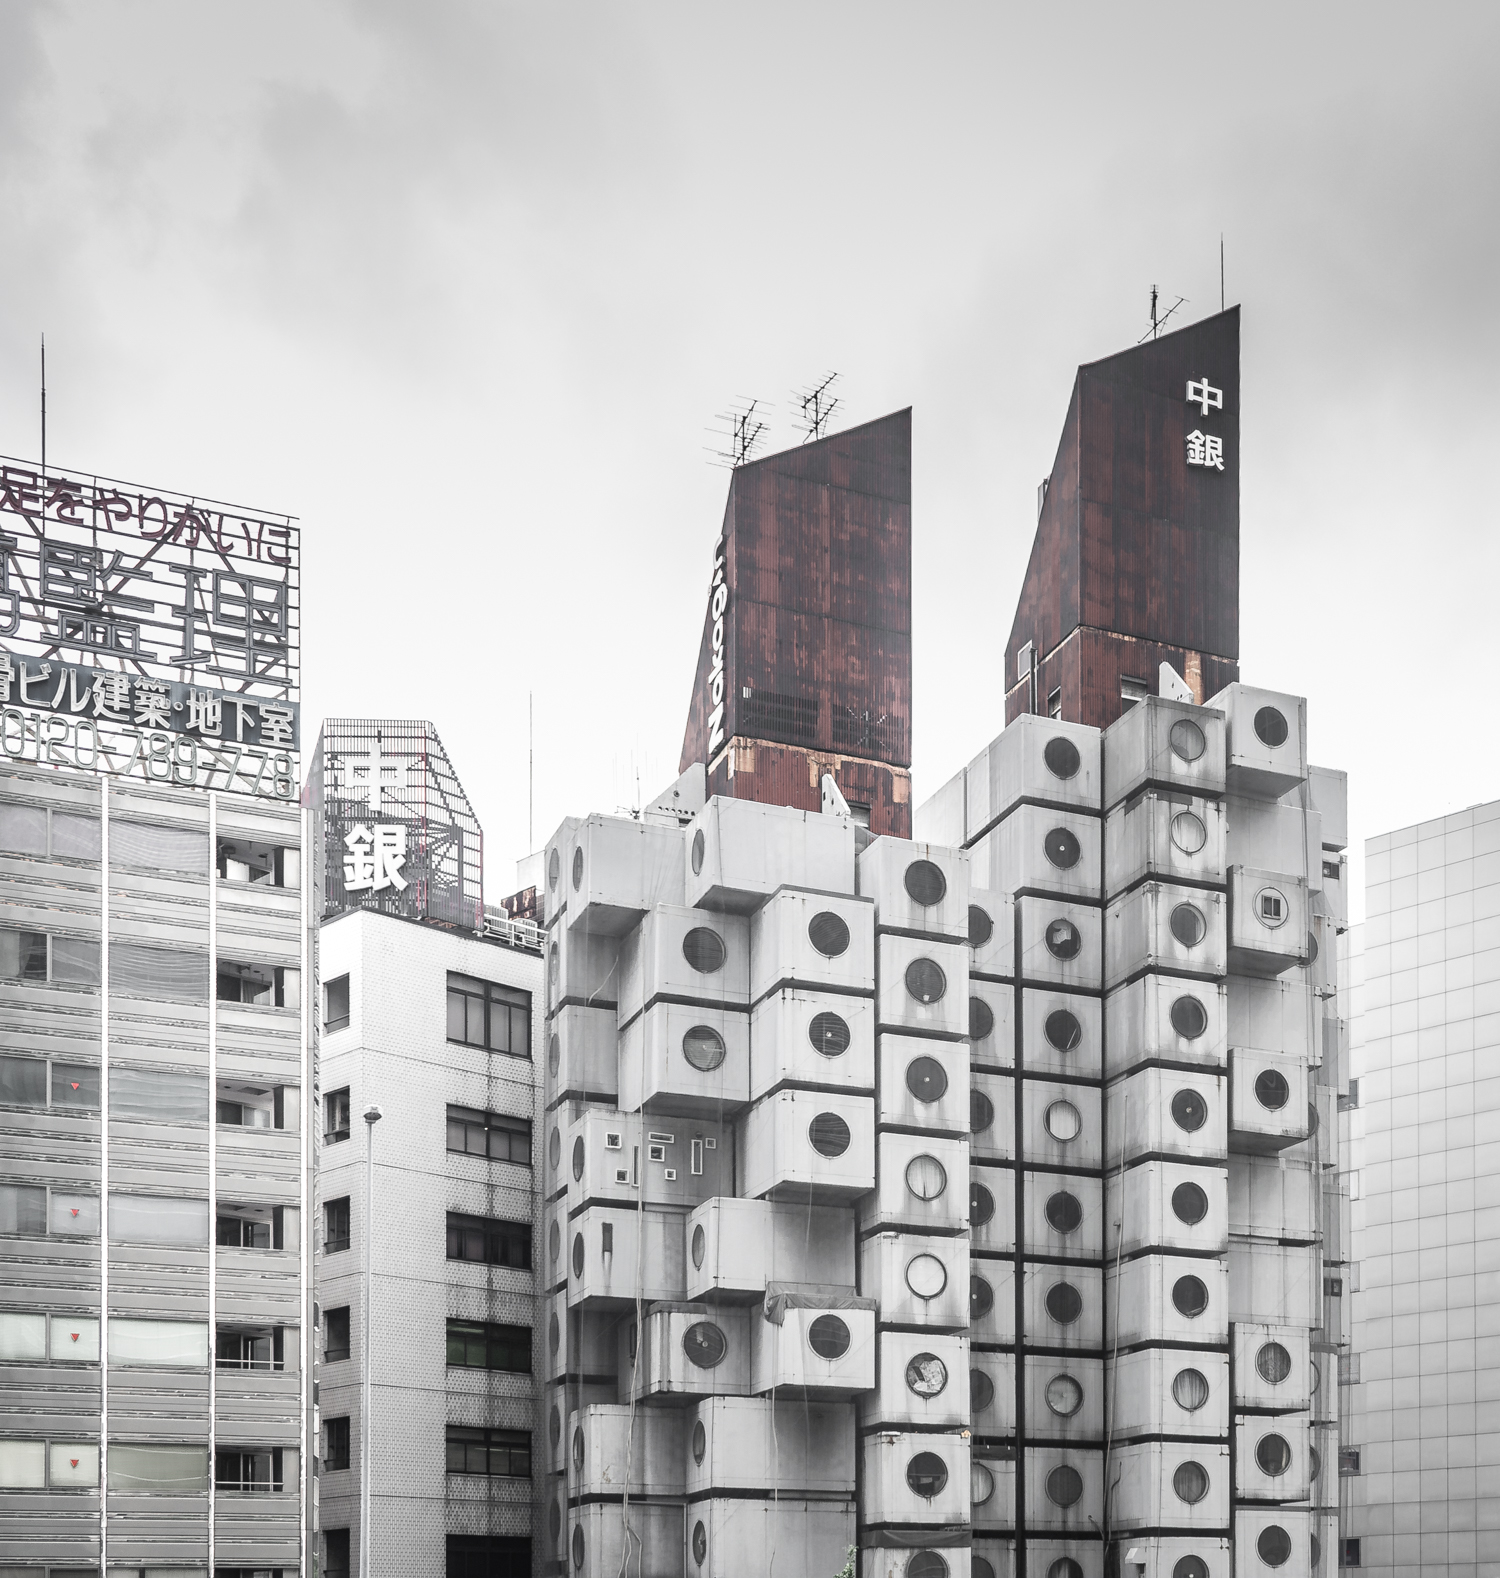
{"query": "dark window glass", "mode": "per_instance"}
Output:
(1063, 1030)
(489, 1134)
(926, 1474)
(336, 1004)
(491, 1555)
(1061, 757)
(1270, 727)
(1061, 848)
(23, 1209)
(1064, 1211)
(249, 1350)
(256, 1473)
(488, 1241)
(336, 1443)
(336, 1333)
(239, 1232)
(828, 1337)
(925, 980)
(487, 1015)
(335, 1225)
(981, 927)
(1271, 1089)
(829, 1134)
(926, 1079)
(1189, 1296)
(981, 1019)
(829, 1034)
(502, 1454)
(1189, 1204)
(1189, 1018)
(23, 1081)
(981, 1205)
(925, 883)
(1064, 1303)
(23, 955)
(1063, 938)
(981, 1390)
(336, 1553)
(829, 934)
(336, 1116)
(483, 1345)
(1189, 1110)
(704, 950)
(981, 1112)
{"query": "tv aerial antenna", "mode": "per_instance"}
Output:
(816, 407)
(743, 428)
(1156, 322)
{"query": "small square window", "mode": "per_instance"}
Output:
(1054, 703)
(1132, 691)
(336, 1003)
(1348, 1460)
(1349, 1554)
(336, 1334)
(335, 1225)
(336, 1116)
(336, 1443)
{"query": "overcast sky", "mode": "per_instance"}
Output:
(463, 286)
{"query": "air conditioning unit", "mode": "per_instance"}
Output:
(992, 934)
(1060, 1124)
(1272, 1367)
(924, 1083)
(1063, 1306)
(739, 852)
(1061, 942)
(1157, 926)
(992, 1210)
(1275, 1284)
(1160, 1391)
(808, 1145)
(618, 869)
(1172, 744)
(1041, 849)
(1061, 1033)
(577, 1343)
(917, 1280)
(1271, 1457)
(1173, 1485)
(1064, 1488)
(1040, 759)
(608, 1266)
(1268, 835)
(756, 1443)
(812, 1038)
(815, 941)
(1268, 1101)
(1268, 921)
(921, 889)
(1062, 1215)
(1167, 1112)
(923, 985)
(743, 1537)
(685, 1351)
(1171, 837)
(1267, 740)
(924, 1381)
(1270, 1197)
(813, 1343)
(913, 1477)
(582, 1058)
(686, 1060)
(992, 1117)
(992, 1392)
(1170, 1298)
(992, 1024)
(1270, 1542)
(598, 1539)
(1161, 1019)
(625, 1158)
(556, 862)
(605, 1440)
(921, 1182)
(736, 1247)
(992, 1489)
(1064, 1398)
(1172, 1206)
(581, 968)
(685, 955)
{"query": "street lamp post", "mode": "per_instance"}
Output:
(372, 1117)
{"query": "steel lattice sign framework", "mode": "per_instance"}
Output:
(148, 634)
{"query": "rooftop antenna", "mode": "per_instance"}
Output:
(1156, 322)
(816, 407)
(1221, 271)
(44, 408)
(530, 772)
(743, 429)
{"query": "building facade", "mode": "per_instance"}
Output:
(156, 1048)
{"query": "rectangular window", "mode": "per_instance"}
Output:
(250, 1473)
(238, 1232)
(1348, 1460)
(75, 961)
(23, 1081)
(75, 1339)
(255, 864)
(23, 829)
(489, 1241)
(1132, 691)
(489, 1134)
(1054, 703)
(336, 1553)
(75, 1087)
(1349, 1554)
(259, 985)
(158, 1219)
(488, 1015)
(23, 1210)
(249, 1107)
(168, 1470)
(154, 847)
(73, 1215)
(336, 1003)
(23, 1465)
(179, 974)
(250, 1350)
(502, 1454)
(151, 1095)
(23, 955)
(335, 1225)
(487, 1556)
(24, 1337)
(336, 1334)
(75, 837)
(336, 1116)
(482, 1345)
(175, 1344)
(336, 1443)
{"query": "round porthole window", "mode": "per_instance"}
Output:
(1273, 1454)
(981, 1391)
(578, 1545)
(1190, 1481)
(578, 1253)
(1273, 1545)
(700, 1245)
(925, 883)
(1314, 1467)
(981, 1297)
(700, 1543)
(1189, 1110)
(1190, 1389)
(926, 1276)
(578, 1450)
(828, 933)
(1270, 727)
(554, 869)
(1064, 1212)
(698, 852)
(700, 1442)
(1186, 740)
(554, 1243)
(926, 1375)
(925, 980)
(926, 1475)
(981, 1205)
(704, 1344)
(1189, 1297)
(981, 927)
(1064, 940)
(1317, 1550)
(1273, 1362)
(981, 1484)
(1064, 1396)
(1064, 1303)
(1064, 1485)
(829, 1034)
(1062, 848)
(704, 950)
(829, 1134)
(1189, 925)
(554, 1056)
(554, 1425)
(1061, 756)
(1317, 1378)
(1271, 908)
(981, 1019)
(1065, 1567)
(981, 1111)
(1062, 1030)
(828, 1337)
(554, 970)
(1063, 1120)
(1271, 1089)
(554, 1334)
(1189, 1018)
(554, 1522)
(926, 1177)
(704, 1048)
(1313, 1119)
(1189, 1204)
(926, 1079)
(1190, 1567)
(578, 1157)
(927, 1564)
(554, 1150)
(1312, 948)
(1188, 832)
(577, 870)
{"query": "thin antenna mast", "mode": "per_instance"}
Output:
(1158, 320)
(530, 774)
(1221, 271)
(44, 408)
(816, 406)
